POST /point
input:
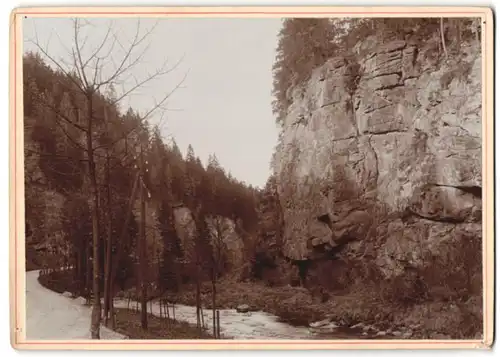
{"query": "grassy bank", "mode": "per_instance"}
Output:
(128, 323)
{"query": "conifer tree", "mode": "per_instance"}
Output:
(303, 44)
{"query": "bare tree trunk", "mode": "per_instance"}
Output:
(142, 255)
(202, 317)
(88, 272)
(76, 270)
(108, 301)
(112, 309)
(442, 38)
(81, 269)
(96, 307)
(218, 324)
(128, 214)
(214, 319)
(107, 269)
(198, 301)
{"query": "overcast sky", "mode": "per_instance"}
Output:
(224, 104)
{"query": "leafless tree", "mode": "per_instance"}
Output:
(89, 76)
(217, 235)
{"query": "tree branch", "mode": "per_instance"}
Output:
(73, 141)
(122, 68)
(55, 62)
(145, 117)
(99, 48)
(80, 65)
(56, 111)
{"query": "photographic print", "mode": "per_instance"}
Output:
(252, 178)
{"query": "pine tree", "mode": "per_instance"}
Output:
(303, 44)
(176, 152)
(190, 156)
(169, 269)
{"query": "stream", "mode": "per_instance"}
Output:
(251, 325)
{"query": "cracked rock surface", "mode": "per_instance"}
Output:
(406, 137)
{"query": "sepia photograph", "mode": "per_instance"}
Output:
(284, 177)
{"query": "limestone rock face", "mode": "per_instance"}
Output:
(390, 134)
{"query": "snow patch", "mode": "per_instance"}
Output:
(52, 316)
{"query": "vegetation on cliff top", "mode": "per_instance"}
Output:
(304, 44)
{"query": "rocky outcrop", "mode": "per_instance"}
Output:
(390, 135)
(224, 238)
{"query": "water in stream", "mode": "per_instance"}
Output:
(252, 325)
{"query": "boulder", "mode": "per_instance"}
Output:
(407, 334)
(367, 328)
(319, 323)
(325, 328)
(244, 308)
(358, 325)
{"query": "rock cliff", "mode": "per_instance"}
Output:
(392, 135)
(224, 239)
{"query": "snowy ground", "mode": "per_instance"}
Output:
(53, 316)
